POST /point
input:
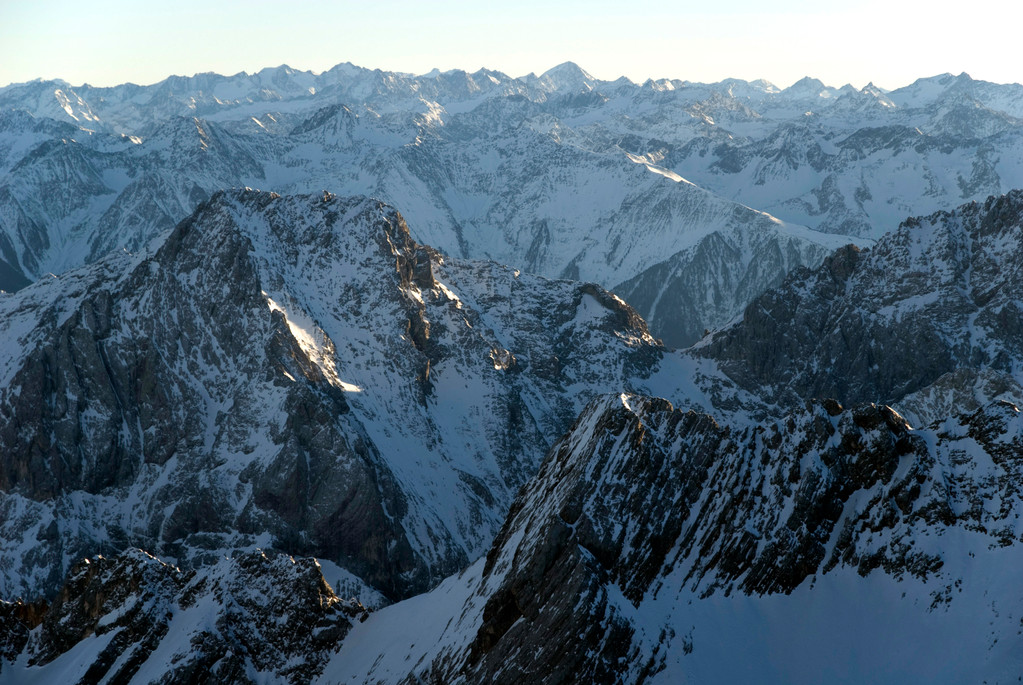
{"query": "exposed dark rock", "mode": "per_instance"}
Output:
(639, 497)
(17, 620)
(930, 299)
(253, 613)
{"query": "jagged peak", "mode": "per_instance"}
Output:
(131, 593)
(324, 116)
(765, 85)
(316, 203)
(449, 73)
(267, 218)
(483, 71)
(942, 80)
(43, 82)
(183, 128)
(662, 84)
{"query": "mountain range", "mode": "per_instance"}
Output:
(398, 415)
(562, 175)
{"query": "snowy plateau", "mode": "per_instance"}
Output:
(368, 377)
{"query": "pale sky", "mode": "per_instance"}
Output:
(889, 42)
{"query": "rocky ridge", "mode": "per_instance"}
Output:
(642, 511)
(657, 538)
(841, 160)
(933, 302)
(642, 519)
(289, 373)
(254, 615)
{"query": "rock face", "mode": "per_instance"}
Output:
(291, 367)
(643, 511)
(139, 618)
(707, 285)
(934, 297)
(17, 619)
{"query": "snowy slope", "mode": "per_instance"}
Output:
(534, 172)
(655, 545)
(821, 543)
(658, 546)
(298, 373)
(839, 160)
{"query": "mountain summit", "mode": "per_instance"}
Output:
(567, 76)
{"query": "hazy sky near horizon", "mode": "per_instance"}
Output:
(889, 42)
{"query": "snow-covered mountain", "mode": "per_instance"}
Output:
(295, 372)
(560, 174)
(845, 161)
(930, 319)
(655, 545)
(255, 615)
(651, 543)
(658, 546)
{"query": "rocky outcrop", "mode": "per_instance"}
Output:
(934, 297)
(706, 286)
(639, 512)
(17, 620)
(641, 506)
(254, 615)
(299, 374)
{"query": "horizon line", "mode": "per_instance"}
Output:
(437, 71)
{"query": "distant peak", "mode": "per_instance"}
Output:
(567, 69)
(658, 84)
(283, 69)
(484, 72)
(807, 83)
(764, 84)
(943, 79)
(880, 93)
(568, 76)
